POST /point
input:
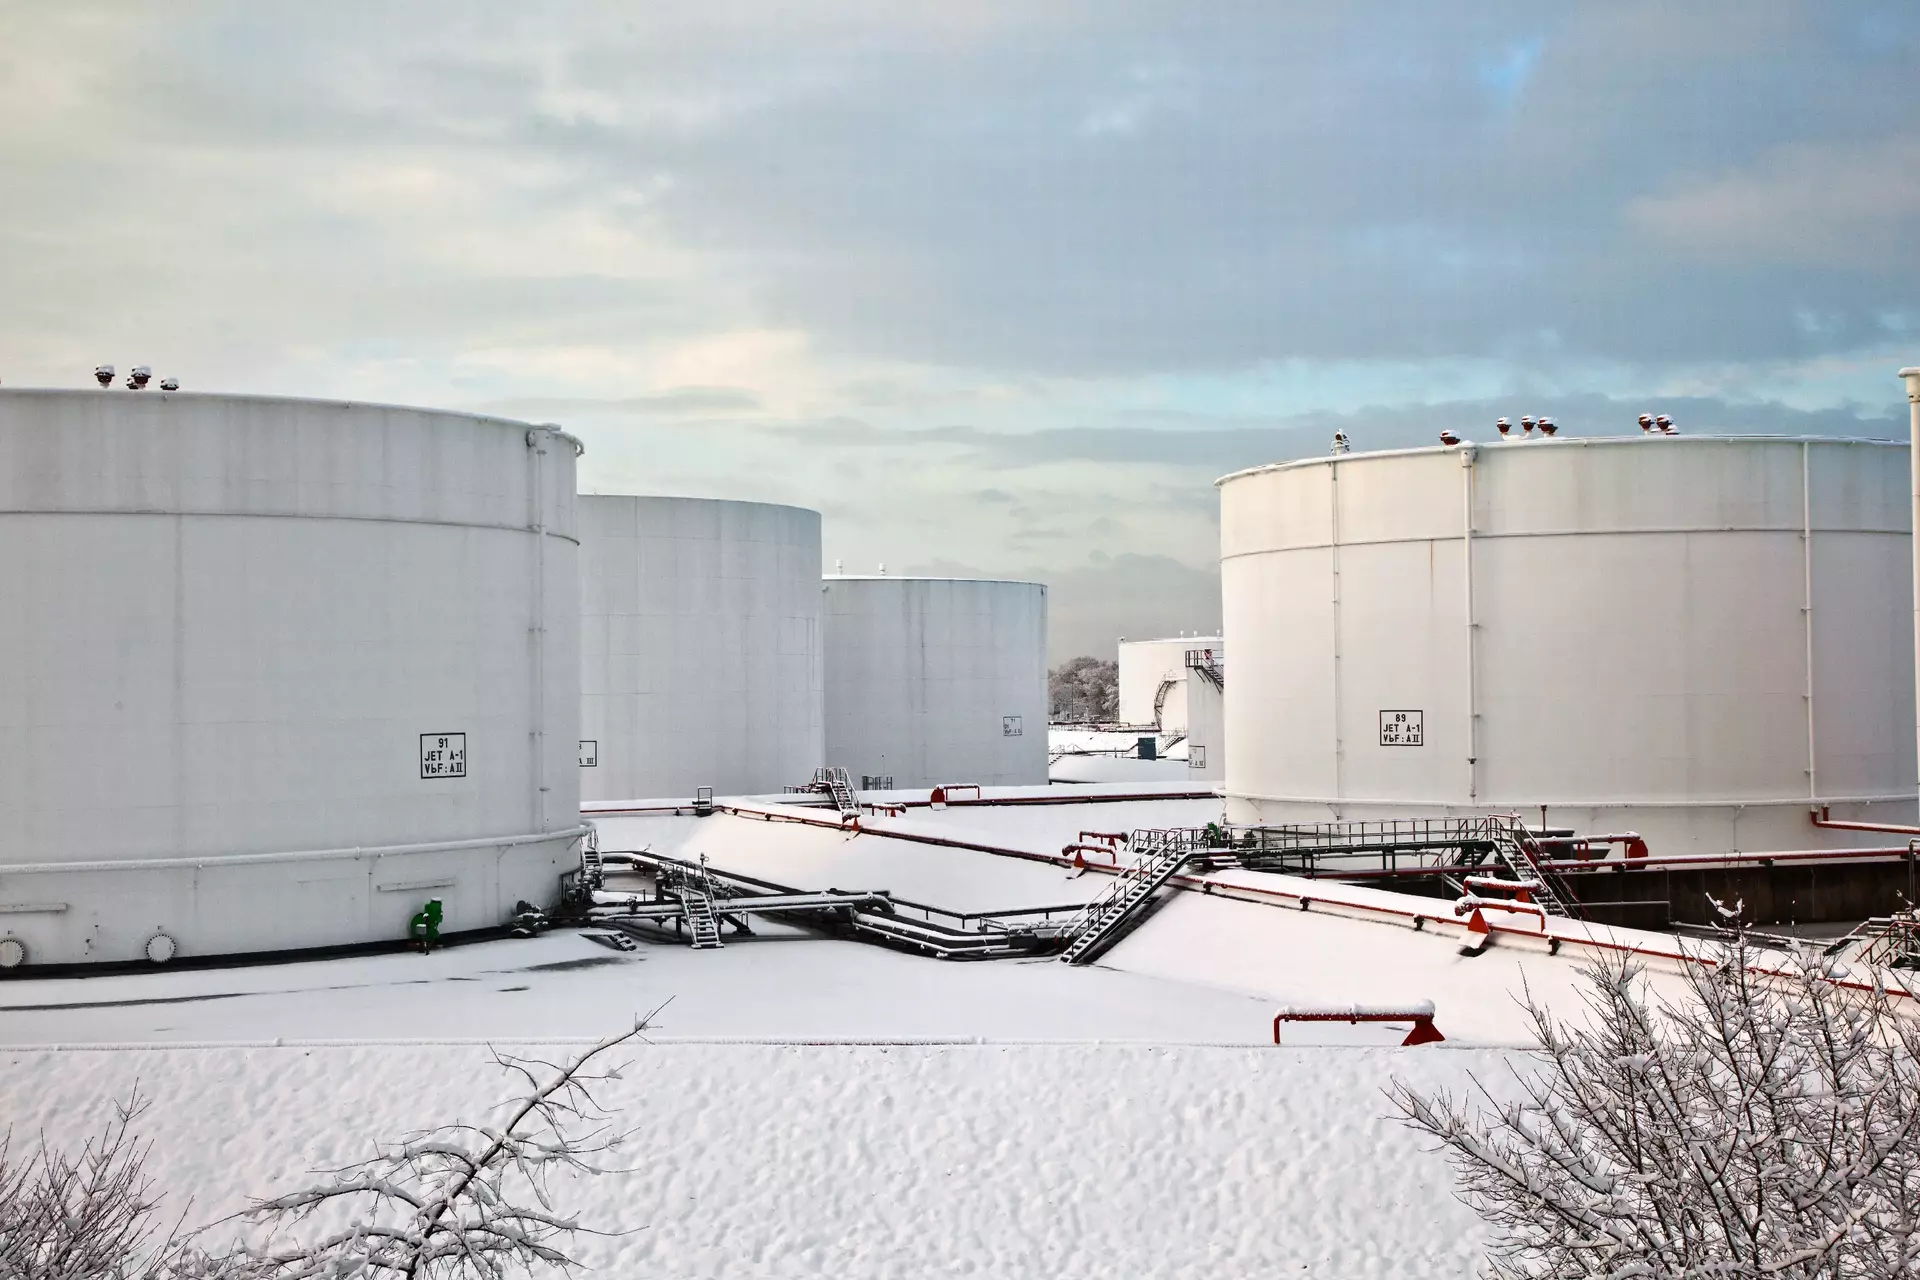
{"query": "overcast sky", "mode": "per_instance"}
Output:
(999, 288)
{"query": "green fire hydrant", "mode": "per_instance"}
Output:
(424, 929)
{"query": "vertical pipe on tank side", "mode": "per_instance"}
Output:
(1806, 610)
(1466, 556)
(1911, 375)
(1333, 518)
(537, 442)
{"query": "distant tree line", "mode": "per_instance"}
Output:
(1084, 691)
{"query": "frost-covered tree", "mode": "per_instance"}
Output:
(455, 1202)
(1084, 691)
(1765, 1123)
(93, 1216)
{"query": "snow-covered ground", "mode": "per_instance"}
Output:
(782, 985)
(821, 1107)
(855, 1162)
(1083, 755)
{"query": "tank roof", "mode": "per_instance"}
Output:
(682, 497)
(228, 397)
(917, 577)
(1553, 443)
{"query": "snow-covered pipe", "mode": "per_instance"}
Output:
(1418, 1012)
(1078, 854)
(1472, 904)
(1356, 1012)
(1505, 886)
(1583, 845)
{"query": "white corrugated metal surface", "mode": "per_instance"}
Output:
(700, 647)
(1697, 638)
(235, 633)
(1206, 728)
(936, 680)
(1153, 680)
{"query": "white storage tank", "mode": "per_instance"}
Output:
(1694, 638)
(1152, 680)
(936, 680)
(700, 647)
(274, 673)
(1207, 720)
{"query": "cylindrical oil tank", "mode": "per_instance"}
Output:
(699, 647)
(936, 680)
(1153, 676)
(1697, 639)
(276, 673)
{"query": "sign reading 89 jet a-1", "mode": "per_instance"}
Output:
(1402, 728)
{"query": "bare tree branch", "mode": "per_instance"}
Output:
(1764, 1124)
(458, 1201)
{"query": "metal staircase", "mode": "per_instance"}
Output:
(1206, 664)
(1890, 941)
(703, 922)
(1526, 860)
(1317, 849)
(839, 787)
(1158, 857)
(697, 895)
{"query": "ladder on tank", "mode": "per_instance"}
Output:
(1159, 856)
(1206, 665)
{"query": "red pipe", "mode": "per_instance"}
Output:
(1071, 799)
(1747, 858)
(1423, 1032)
(1244, 892)
(1079, 852)
(1820, 819)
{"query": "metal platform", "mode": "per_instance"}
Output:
(687, 894)
(1441, 848)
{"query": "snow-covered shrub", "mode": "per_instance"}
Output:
(1765, 1123)
(93, 1216)
(453, 1202)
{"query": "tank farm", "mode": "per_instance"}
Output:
(289, 676)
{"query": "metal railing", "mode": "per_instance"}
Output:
(1208, 665)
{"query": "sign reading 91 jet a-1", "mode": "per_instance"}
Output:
(1403, 728)
(443, 755)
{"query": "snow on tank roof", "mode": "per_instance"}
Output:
(1551, 443)
(916, 577)
(228, 397)
(682, 497)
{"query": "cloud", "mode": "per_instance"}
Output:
(1504, 73)
(1802, 205)
(1091, 605)
(891, 261)
(674, 402)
